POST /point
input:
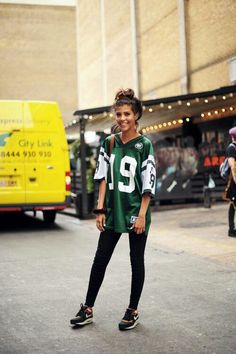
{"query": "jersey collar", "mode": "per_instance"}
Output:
(117, 136)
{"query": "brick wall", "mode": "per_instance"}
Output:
(104, 57)
(89, 54)
(211, 40)
(38, 55)
(158, 48)
(38, 50)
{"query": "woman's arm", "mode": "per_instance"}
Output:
(139, 225)
(233, 167)
(101, 194)
(101, 218)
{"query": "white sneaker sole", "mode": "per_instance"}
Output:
(88, 321)
(131, 327)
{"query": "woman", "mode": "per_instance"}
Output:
(126, 178)
(231, 185)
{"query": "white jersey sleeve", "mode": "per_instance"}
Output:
(102, 164)
(149, 174)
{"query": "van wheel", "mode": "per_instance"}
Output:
(49, 216)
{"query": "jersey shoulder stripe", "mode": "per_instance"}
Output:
(104, 154)
(149, 160)
(102, 163)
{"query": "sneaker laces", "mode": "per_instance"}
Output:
(85, 309)
(129, 314)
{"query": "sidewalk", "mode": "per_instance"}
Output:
(193, 228)
(197, 231)
(187, 305)
(156, 208)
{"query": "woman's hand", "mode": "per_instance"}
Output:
(101, 221)
(139, 225)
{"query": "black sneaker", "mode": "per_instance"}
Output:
(232, 233)
(130, 320)
(83, 317)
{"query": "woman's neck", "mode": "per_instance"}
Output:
(127, 136)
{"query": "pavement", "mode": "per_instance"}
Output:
(188, 305)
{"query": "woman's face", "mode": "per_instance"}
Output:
(125, 118)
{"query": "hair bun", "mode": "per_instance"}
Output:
(124, 93)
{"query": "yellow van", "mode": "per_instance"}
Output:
(34, 158)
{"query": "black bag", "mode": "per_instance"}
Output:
(224, 169)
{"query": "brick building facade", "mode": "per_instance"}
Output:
(182, 46)
(80, 55)
(38, 54)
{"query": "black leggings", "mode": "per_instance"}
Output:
(231, 214)
(106, 246)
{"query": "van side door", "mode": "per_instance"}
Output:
(45, 170)
(12, 170)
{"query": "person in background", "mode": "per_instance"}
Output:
(231, 184)
(126, 174)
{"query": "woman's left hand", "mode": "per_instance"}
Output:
(139, 225)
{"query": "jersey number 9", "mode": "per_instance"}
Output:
(128, 167)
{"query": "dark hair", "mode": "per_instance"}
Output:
(128, 97)
(115, 128)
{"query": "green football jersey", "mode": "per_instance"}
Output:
(129, 173)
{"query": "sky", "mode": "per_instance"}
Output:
(41, 2)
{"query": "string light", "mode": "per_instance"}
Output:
(163, 125)
(217, 112)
